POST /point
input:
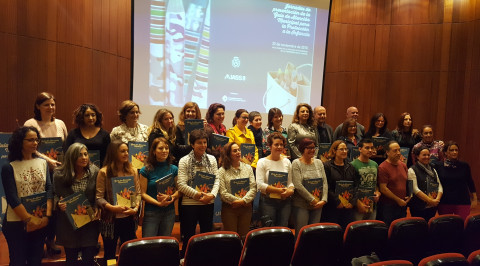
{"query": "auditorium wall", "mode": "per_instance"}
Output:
(387, 56)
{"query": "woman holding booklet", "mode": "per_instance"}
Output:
(274, 181)
(342, 184)
(26, 177)
(159, 190)
(427, 189)
(118, 209)
(76, 175)
(240, 134)
(311, 188)
(198, 182)
(189, 111)
(237, 190)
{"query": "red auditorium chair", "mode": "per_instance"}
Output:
(220, 248)
(408, 239)
(364, 237)
(446, 234)
(149, 251)
(268, 246)
(474, 258)
(444, 259)
(392, 263)
(471, 234)
(318, 244)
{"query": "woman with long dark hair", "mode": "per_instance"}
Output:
(25, 175)
(116, 221)
(240, 134)
(405, 134)
(76, 174)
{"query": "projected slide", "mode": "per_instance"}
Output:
(253, 54)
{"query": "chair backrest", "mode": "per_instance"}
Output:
(408, 239)
(220, 248)
(364, 237)
(149, 251)
(268, 246)
(446, 234)
(474, 258)
(471, 234)
(444, 259)
(392, 263)
(318, 244)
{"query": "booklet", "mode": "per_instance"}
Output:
(166, 185)
(353, 153)
(432, 188)
(191, 125)
(240, 187)
(314, 186)
(94, 156)
(366, 196)
(344, 191)
(52, 148)
(323, 149)
(123, 189)
(404, 154)
(218, 141)
(379, 143)
(278, 180)
(203, 182)
(79, 211)
(248, 153)
(137, 153)
(36, 204)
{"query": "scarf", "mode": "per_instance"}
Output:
(450, 163)
(428, 169)
(192, 162)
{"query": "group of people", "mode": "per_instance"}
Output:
(293, 152)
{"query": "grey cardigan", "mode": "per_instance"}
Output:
(87, 235)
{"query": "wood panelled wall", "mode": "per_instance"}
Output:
(79, 50)
(390, 56)
(416, 56)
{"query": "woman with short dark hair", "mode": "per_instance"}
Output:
(275, 119)
(130, 129)
(89, 131)
(459, 193)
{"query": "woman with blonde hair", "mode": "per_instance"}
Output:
(164, 126)
(189, 111)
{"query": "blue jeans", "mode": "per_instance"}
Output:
(304, 216)
(158, 223)
(278, 210)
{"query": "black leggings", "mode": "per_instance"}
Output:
(124, 229)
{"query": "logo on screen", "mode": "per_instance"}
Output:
(236, 62)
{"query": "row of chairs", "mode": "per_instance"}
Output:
(444, 259)
(410, 239)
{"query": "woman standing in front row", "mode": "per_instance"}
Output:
(307, 209)
(197, 207)
(236, 210)
(159, 216)
(76, 174)
(116, 221)
(277, 210)
(424, 203)
(25, 175)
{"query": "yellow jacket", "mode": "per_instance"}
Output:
(237, 136)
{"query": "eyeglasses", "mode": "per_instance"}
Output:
(33, 140)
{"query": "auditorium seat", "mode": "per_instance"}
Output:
(268, 246)
(408, 239)
(318, 244)
(149, 251)
(474, 258)
(392, 263)
(444, 259)
(364, 237)
(220, 248)
(471, 234)
(446, 234)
